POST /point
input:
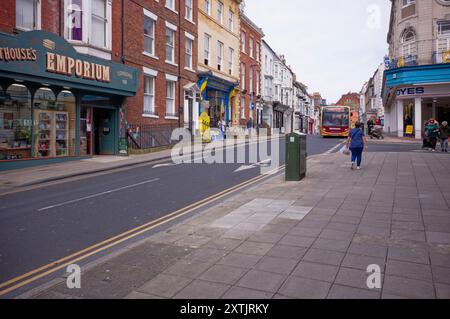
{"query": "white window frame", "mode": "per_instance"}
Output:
(37, 22)
(207, 48)
(251, 45)
(220, 47)
(230, 20)
(230, 60)
(173, 29)
(172, 7)
(407, 3)
(251, 79)
(87, 24)
(104, 20)
(154, 18)
(151, 74)
(243, 41)
(258, 51)
(191, 38)
(220, 8)
(243, 107)
(189, 8)
(440, 34)
(207, 7)
(170, 114)
(408, 48)
(243, 71)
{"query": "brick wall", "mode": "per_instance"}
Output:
(133, 55)
(250, 32)
(7, 16)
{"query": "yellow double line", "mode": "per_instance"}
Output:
(29, 277)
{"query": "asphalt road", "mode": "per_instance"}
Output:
(45, 224)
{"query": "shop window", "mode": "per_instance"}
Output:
(15, 123)
(54, 124)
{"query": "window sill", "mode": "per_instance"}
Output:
(150, 55)
(171, 63)
(190, 70)
(150, 116)
(88, 45)
(172, 118)
(189, 20)
(171, 9)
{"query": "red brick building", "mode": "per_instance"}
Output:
(160, 39)
(353, 101)
(250, 71)
(350, 99)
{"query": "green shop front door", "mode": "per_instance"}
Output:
(104, 131)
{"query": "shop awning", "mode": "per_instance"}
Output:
(45, 58)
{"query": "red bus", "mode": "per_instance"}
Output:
(335, 121)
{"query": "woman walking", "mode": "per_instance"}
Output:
(432, 133)
(444, 133)
(357, 142)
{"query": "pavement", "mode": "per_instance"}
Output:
(312, 239)
(397, 140)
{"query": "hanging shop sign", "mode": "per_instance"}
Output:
(44, 57)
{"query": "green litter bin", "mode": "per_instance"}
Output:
(296, 154)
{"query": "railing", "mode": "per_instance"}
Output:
(142, 137)
(441, 57)
(410, 60)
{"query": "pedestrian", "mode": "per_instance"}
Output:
(432, 132)
(357, 142)
(444, 132)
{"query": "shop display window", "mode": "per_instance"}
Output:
(15, 123)
(54, 124)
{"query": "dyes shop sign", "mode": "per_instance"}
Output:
(44, 57)
(438, 90)
(403, 92)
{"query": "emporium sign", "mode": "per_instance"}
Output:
(61, 64)
(44, 57)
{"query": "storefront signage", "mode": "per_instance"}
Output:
(18, 54)
(437, 90)
(411, 91)
(43, 57)
(61, 64)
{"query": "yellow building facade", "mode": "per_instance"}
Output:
(218, 59)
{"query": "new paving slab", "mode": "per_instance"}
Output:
(311, 239)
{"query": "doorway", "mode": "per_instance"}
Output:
(104, 132)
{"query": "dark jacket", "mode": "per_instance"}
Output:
(444, 132)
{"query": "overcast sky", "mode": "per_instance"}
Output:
(333, 46)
